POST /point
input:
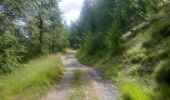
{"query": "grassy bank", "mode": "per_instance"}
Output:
(32, 80)
(141, 70)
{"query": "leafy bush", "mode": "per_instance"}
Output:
(112, 39)
(10, 53)
(164, 92)
(92, 44)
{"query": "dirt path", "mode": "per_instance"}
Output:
(103, 89)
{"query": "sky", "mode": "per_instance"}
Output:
(70, 9)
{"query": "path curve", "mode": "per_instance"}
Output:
(105, 89)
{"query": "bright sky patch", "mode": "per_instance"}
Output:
(71, 9)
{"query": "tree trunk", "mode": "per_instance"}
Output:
(40, 33)
(53, 47)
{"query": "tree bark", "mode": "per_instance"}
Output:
(53, 47)
(40, 33)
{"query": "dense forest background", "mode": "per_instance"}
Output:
(28, 29)
(129, 41)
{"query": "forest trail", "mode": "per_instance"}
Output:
(102, 89)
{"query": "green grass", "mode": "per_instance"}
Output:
(32, 80)
(77, 92)
(134, 92)
(81, 87)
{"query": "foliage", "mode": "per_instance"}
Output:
(131, 47)
(10, 53)
(98, 17)
(35, 25)
(112, 40)
(162, 75)
(164, 92)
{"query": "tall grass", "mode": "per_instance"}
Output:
(32, 80)
(134, 92)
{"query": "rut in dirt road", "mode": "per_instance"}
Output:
(103, 89)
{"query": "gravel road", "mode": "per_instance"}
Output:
(104, 89)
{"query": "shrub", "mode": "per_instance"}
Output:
(163, 92)
(112, 39)
(163, 73)
(10, 53)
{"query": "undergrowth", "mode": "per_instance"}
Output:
(32, 80)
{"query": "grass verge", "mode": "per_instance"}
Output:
(131, 91)
(32, 80)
